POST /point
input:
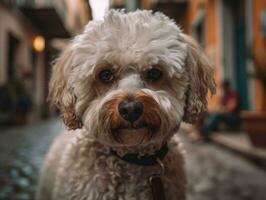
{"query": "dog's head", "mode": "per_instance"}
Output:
(131, 79)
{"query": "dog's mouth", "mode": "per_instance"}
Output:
(134, 135)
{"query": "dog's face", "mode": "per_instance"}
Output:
(131, 79)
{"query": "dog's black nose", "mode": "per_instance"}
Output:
(130, 110)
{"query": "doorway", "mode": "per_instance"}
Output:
(234, 47)
(13, 44)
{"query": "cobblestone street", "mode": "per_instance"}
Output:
(213, 172)
(21, 154)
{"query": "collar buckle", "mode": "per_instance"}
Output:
(162, 172)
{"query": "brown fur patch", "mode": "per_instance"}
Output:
(151, 112)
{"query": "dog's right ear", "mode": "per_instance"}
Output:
(60, 93)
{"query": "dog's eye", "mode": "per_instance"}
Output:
(153, 74)
(106, 76)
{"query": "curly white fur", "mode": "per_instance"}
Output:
(79, 164)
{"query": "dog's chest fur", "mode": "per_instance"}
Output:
(88, 171)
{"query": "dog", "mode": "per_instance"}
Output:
(123, 87)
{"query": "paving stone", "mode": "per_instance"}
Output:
(23, 196)
(22, 183)
(6, 191)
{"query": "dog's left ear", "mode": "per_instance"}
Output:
(201, 80)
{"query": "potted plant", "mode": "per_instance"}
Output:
(254, 122)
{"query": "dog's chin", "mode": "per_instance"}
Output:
(133, 136)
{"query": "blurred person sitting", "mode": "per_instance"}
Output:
(228, 112)
(6, 105)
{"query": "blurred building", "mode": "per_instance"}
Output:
(32, 33)
(230, 32)
(233, 34)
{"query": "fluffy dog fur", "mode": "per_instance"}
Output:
(79, 164)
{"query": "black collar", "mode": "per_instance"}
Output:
(146, 160)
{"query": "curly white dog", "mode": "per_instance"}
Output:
(124, 86)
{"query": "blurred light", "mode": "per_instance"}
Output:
(99, 7)
(39, 43)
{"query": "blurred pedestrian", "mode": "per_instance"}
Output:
(227, 113)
